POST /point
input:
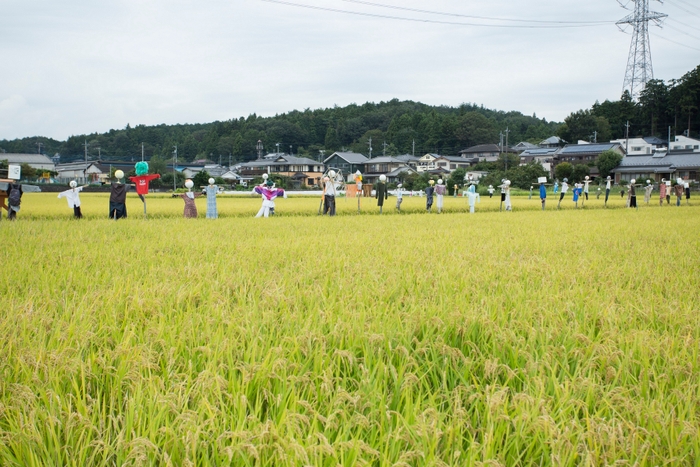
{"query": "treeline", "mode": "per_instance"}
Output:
(661, 105)
(393, 127)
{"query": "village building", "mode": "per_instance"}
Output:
(585, 154)
(452, 163)
(347, 162)
(543, 156)
(679, 163)
(303, 172)
(385, 165)
(485, 152)
(35, 161)
(427, 163)
(81, 172)
(641, 146)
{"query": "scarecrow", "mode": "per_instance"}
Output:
(564, 189)
(329, 192)
(190, 211)
(663, 190)
(506, 187)
(440, 191)
(490, 190)
(473, 196)
(647, 191)
(543, 190)
(578, 189)
(211, 190)
(269, 193)
(142, 179)
(73, 198)
(399, 196)
(117, 197)
(429, 191)
(632, 196)
(608, 185)
(358, 186)
(586, 181)
(381, 192)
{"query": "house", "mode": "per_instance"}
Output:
(543, 156)
(385, 165)
(641, 146)
(305, 171)
(524, 145)
(552, 142)
(410, 160)
(81, 172)
(679, 163)
(36, 161)
(485, 152)
(427, 163)
(584, 154)
(683, 142)
(452, 163)
(347, 162)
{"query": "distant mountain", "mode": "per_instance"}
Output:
(395, 127)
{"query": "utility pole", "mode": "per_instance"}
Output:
(99, 153)
(595, 136)
(413, 153)
(40, 145)
(384, 150)
(500, 143)
(627, 136)
(259, 147)
(639, 69)
(141, 152)
(86, 156)
(370, 147)
(175, 170)
(278, 147)
(290, 150)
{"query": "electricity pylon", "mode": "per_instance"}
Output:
(639, 69)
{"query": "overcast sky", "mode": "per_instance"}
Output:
(81, 66)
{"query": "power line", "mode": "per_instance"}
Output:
(687, 11)
(683, 32)
(419, 20)
(684, 24)
(488, 18)
(687, 3)
(677, 43)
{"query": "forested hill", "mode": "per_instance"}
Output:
(394, 126)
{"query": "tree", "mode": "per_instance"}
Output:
(607, 161)
(201, 178)
(456, 178)
(563, 170)
(157, 165)
(580, 171)
(473, 128)
(28, 171)
(583, 125)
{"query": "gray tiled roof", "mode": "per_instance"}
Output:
(539, 152)
(350, 157)
(13, 158)
(384, 160)
(650, 162)
(462, 160)
(587, 148)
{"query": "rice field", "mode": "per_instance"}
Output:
(567, 337)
